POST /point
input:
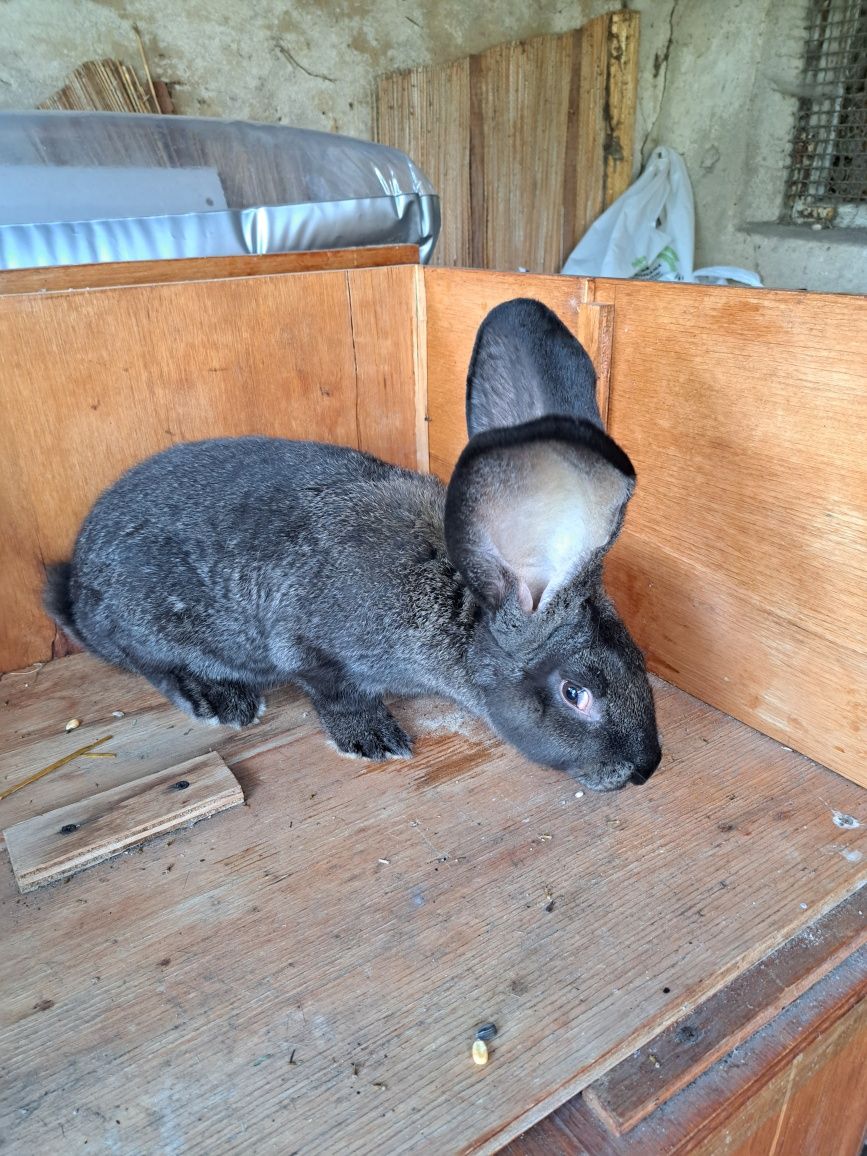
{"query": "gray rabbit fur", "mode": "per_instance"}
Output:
(221, 568)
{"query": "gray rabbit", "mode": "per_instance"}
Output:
(220, 568)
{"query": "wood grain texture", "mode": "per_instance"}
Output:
(517, 148)
(728, 1105)
(420, 338)
(146, 740)
(587, 125)
(526, 143)
(656, 1072)
(819, 1105)
(620, 102)
(457, 301)
(56, 845)
(24, 632)
(114, 273)
(384, 346)
(276, 934)
(743, 562)
(93, 382)
(594, 328)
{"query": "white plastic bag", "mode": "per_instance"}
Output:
(649, 232)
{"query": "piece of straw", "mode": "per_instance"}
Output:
(147, 69)
(54, 766)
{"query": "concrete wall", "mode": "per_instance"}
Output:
(710, 79)
(727, 104)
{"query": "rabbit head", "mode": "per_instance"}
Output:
(536, 499)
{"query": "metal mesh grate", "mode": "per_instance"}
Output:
(828, 174)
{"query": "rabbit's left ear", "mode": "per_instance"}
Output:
(527, 365)
(531, 506)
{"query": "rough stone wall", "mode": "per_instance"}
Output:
(729, 74)
(301, 62)
(713, 82)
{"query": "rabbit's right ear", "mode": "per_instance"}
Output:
(529, 507)
(527, 365)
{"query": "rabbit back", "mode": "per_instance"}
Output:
(239, 557)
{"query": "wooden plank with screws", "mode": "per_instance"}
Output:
(62, 842)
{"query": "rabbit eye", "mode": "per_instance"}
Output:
(578, 697)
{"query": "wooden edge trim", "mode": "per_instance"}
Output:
(422, 441)
(635, 1087)
(115, 274)
(595, 331)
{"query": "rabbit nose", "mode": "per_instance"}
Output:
(642, 771)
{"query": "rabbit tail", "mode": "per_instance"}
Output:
(57, 599)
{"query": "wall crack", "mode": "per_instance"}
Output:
(287, 55)
(660, 65)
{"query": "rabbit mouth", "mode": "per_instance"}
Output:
(613, 778)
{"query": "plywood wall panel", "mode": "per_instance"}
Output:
(457, 301)
(384, 343)
(743, 566)
(92, 382)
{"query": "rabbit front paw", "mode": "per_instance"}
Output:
(366, 732)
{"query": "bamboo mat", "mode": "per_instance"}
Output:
(103, 86)
(526, 143)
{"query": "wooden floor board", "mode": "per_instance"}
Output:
(722, 1109)
(307, 972)
(670, 1061)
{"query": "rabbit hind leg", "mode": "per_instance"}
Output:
(213, 701)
